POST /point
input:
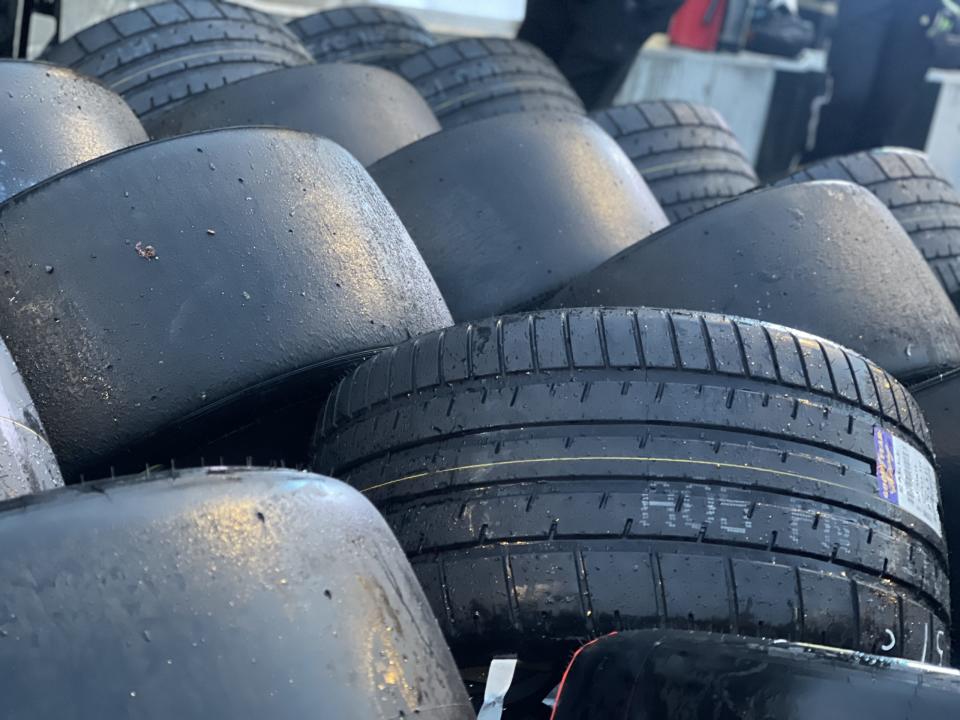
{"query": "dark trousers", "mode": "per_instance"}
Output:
(878, 60)
(594, 42)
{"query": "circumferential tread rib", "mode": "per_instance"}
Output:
(473, 78)
(601, 469)
(922, 200)
(686, 153)
(764, 367)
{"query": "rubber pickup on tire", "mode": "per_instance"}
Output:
(198, 284)
(237, 593)
(824, 257)
(924, 202)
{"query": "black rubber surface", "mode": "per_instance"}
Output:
(560, 475)
(171, 292)
(474, 78)
(53, 119)
(688, 155)
(825, 257)
(160, 54)
(697, 676)
(215, 593)
(940, 400)
(924, 202)
(361, 34)
(508, 209)
(368, 111)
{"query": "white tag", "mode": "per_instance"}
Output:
(499, 679)
(906, 478)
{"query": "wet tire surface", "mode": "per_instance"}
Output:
(560, 475)
(215, 593)
(824, 257)
(37, 105)
(161, 54)
(508, 209)
(156, 311)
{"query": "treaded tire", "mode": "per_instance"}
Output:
(924, 202)
(824, 257)
(365, 34)
(27, 460)
(235, 593)
(375, 112)
(475, 78)
(53, 119)
(161, 54)
(939, 398)
(559, 475)
(687, 154)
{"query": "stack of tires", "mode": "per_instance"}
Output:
(593, 379)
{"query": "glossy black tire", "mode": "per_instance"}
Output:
(695, 676)
(565, 474)
(161, 54)
(221, 592)
(368, 111)
(508, 209)
(921, 199)
(825, 257)
(52, 119)
(166, 295)
(939, 398)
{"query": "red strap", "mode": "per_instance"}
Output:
(563, 680)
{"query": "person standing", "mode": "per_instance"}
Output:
(594, 42)
(879, 57)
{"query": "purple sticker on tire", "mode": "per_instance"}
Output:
(886, 466)
(906, 478)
